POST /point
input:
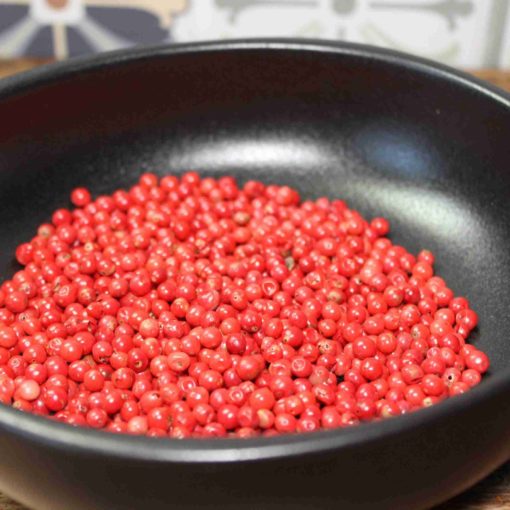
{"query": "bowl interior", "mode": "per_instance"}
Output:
(393, 139)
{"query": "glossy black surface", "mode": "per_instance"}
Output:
(425, 146)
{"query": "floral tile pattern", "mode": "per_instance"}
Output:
(63, 28)
(467, 33)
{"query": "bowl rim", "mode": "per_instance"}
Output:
(84, 441)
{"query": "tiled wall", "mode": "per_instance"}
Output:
(465, 33)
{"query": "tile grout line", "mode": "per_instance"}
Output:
(495, 33)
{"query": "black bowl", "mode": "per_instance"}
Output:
(417, 142)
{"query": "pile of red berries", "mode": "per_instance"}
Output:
(192, 307)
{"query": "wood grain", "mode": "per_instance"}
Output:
(493, 493)
(8, 504)
(499, 78)
(8, 67)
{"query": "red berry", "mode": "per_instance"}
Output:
(190, 307)
(8, 337)
(80, 197)
(478, 361)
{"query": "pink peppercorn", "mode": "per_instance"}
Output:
(194, 307)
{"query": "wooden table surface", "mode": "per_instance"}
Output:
(493, 493)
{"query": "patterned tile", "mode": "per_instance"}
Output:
(72, 27)
(500, 41)
(452, 31)
(467, 33)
